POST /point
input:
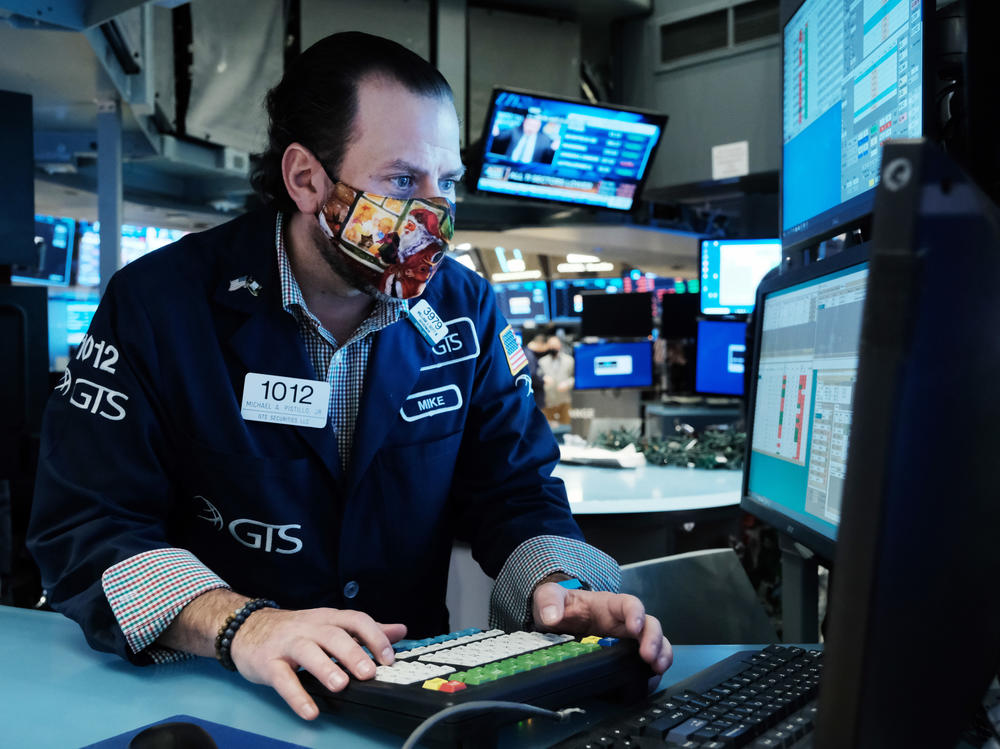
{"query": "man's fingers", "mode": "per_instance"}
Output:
(284, 681)
(339, 643)
(369, 633)
(316, 661)
(548, 604)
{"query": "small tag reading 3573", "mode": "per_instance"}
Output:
(285, 400)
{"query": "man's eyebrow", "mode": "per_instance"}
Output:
(405, 166)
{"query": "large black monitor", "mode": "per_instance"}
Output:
(808, 328)
(617, 315)
(523, 301)
(567, 295)
(53, 259)
(545, 147)
(914, 630)
(852, 77)
(626, 364)
(721, 357)
(679, 316)
(731, 270)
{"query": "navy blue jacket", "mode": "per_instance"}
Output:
(144, 446)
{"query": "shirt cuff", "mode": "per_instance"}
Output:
(148, 590)
(534, 560)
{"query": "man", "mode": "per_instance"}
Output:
(525, 144)
(557, 370)
(184, 460)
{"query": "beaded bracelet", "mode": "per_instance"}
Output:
(224, 640)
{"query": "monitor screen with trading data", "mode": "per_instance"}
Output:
(807, 361)
(731, 270)
(523, 301)
(53, 253)
(852, 78)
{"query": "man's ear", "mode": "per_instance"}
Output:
(305, 179)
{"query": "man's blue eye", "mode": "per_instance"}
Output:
(403, 182)
(447, 185)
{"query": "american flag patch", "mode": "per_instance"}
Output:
(516, 359)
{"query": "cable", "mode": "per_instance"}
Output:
(480, 705)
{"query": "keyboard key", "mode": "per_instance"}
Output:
(683, 731)
(666, 723)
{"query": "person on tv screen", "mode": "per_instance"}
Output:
(275, 413)
(528, 143)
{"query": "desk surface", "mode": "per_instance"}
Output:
(57, 692)
(648, 488)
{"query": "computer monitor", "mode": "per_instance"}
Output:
(721, 357)
(679, 316)
(914, 617)
(805, 365)
(613, 365)
(731, 270)
(523, 301)
(53, 253)
(545, 147)
(617, 315)
(88, 254)
(852, 77)
(69, 319)
(567, 295)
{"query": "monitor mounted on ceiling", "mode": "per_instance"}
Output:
(544, 147)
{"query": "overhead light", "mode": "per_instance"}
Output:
(524, 275)
(516, 265)
(465, 246)
(585, 267)
(572, 258)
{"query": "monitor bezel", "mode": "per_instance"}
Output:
(522, 321)
(821, 545)
(472, 179)
(718, 319)
(701, 263)
(855, 212)
(631, 342)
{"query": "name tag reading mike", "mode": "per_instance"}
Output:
(285, 400)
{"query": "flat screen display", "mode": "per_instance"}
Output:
(852, 77)
(523, 301)
(678, 316)
(731, 270)
(136, 242)
(617, 315)
(547, 148)
(720, 360)
(567, 295)
(810, 335)
(53, 253)
(613, 365)
(69, 319)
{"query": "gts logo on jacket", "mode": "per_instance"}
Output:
(253, 533)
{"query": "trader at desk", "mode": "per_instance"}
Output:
(266, 408)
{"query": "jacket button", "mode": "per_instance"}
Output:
(351, 589)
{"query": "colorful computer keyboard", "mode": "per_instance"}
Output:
(542, 669)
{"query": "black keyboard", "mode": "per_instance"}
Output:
(546, 670)
(765, 699)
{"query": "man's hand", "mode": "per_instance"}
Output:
(272, 643)
(585, 612)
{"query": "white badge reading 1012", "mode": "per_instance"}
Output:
(285, 400)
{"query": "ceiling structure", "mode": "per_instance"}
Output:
(56, 52)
